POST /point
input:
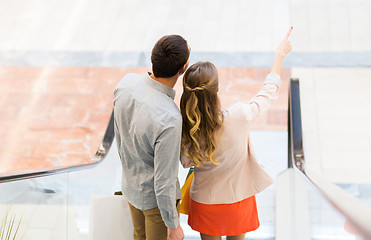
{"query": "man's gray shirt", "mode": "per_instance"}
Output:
(148, 128)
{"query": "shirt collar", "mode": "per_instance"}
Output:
(159, 86)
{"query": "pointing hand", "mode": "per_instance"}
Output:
(285, 46)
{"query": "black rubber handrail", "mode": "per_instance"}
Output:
(357, 214)
(96, 159)
(296, 129)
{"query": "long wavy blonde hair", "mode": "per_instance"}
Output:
(200, 108)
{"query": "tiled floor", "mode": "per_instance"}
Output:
(127, 25)
(209, 25)
(57, 116)
(336, 128)
(53, 117)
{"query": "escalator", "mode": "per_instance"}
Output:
(64, 203)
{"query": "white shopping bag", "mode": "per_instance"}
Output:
(110, 218)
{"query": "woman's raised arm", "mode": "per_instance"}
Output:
(282, 50)
(262, 101)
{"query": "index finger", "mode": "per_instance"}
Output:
(289, 33)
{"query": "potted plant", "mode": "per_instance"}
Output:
(9, 225)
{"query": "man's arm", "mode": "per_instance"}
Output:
(166, 165)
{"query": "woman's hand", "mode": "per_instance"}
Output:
(285, 46)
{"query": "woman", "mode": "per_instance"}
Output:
(227, 175)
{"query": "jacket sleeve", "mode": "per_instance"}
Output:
(166, 166)
(259, 104)
(186, 162)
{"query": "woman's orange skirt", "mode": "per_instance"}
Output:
(224, 219)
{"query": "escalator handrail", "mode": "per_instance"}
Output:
(95, 160)
(357, 213)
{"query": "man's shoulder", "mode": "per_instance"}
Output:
(169, 115)
(175, 116)
(130, 79)
(133, 75)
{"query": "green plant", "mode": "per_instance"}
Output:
(9, 228)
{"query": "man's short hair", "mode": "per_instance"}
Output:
(169, 55)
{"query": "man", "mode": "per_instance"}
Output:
(148, 129)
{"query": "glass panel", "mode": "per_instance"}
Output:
(59, 206)
(70, 205)
(360, 191)
(38, 206)
(86, 187)
(326, 223)
(271, 151)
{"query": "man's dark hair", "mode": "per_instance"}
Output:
(169, 55)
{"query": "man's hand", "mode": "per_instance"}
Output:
(175, 233)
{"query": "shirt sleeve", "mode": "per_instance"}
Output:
(166, 166)
(258, 105)
(116, 128)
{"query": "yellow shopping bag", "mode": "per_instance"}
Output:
(184, 203)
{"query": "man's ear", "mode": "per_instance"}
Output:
(183, 69)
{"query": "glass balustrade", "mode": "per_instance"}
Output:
(58, 206)
(326, 222)
(39, 206)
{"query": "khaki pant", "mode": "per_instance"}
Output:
(148, 224)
